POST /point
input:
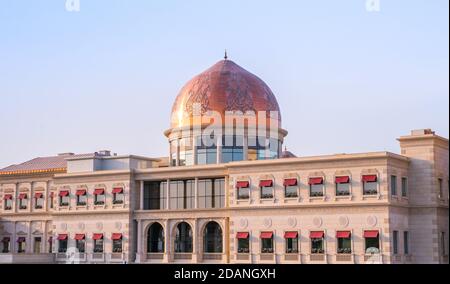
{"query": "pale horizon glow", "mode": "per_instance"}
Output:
(347, 80)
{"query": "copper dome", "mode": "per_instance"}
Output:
(224, 87)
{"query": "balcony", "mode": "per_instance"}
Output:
(318, 258)
(344, 258)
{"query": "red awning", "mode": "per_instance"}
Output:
(23, 196)
(242, 184)
(7, 197)
(242, 235)
(343, 234)
(291, 235)
(369, 178)
(318, 180)
(64, 193)
(99, 191)
(80, 237)
(62, 237)
(116, 236)
(117, 190)
(266, 183)
(371, 234)
(290, 182)
(97, 236)
(38, 195)
(266, 235)
(316, 235)
(21, 239)
(6, 239)
(81, 192)
(342, 179)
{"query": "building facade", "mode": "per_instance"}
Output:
(239, 199)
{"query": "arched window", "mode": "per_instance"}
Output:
(183, 238)
(212, 238)
(155, 239)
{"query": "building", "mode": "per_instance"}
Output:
(229, 198)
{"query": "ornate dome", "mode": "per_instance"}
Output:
(224, 87)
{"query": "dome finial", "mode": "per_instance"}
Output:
(226, 55)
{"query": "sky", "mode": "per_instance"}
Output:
(348, 79)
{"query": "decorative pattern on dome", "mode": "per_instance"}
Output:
(238, 97)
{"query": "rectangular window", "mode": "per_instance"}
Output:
(316, 187)
(98, 243)
(23, 201)
(181, 194)
(21, 245)
(291, 239)
(8, 201)
(266, 187)
(38, 200)
(6, 243)
(80, 243)
(64, 198)
(99, 196)
(342, 186)
(243, 242)
(117, 246)
(118, 196)
(51, 199)
(62, 243)
(243, 190)
(395, 242)
(394, 185)
(443, 242)
(440, 188)
(317, 246)
(344, 242)
(406, 243)
(81, 197)
(290, 188)
(155, 195)
(372, 242)
(266, 242)
(370, 185)
(50, 245)
(211, 193)
(37, 245)
(404, 187)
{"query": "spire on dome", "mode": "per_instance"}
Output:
(226, 55)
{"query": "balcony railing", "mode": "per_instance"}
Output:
(344, 257)
(292, 257)
(317, 257)
(155, 256)
(267, 257)
(182, 256)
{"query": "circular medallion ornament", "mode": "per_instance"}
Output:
(63, 226)
(371, 221)
(99, 226)
(343, 221)
(243, 223)
(267, 223)
(81, 226)
(317, 221)
(292, 222)
(118, 225)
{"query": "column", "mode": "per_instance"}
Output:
(16, 195)
(29, 248)
(195, 252)
(167, 243)
(194, 149)
(245, 147)
(168, 195)
(141, 195)
(219, 150)
(13, 241)
(196, 193)
(139, 242)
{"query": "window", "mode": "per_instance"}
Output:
(116, 243)
(99, 196)
(8, 201)
(173, 153)
(80, 243)
(443, 248)
(290, 188)
(317, 242)
(440, 188)
(394, 185)
(181, 194)
(243, 190)
(291, 239)
(81, 197)
(267, 242)
(186, 157)
(155, 239)
(118, 196)
(211, 193)
(21, 245)
(6, 243)
(38, 200)
(62, 243)
(212, 238)
(98, 243)
(64, 198)
(243, 242)
(37, 245)
(404, 187)
(23, 200)
(266, 187)
(206, 154)
(370, 185)
(372, 242)
(395, 242)
(50, 245)
(344, 242)
(183, 238)
(155, 195)
(232, 149)
(316, 187)
(406, 243)
(51, 199)
(342, 186)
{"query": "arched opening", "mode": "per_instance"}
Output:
(155, 239)
(183, 238)
(212, 238)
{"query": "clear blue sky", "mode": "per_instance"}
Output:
(347, 80)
